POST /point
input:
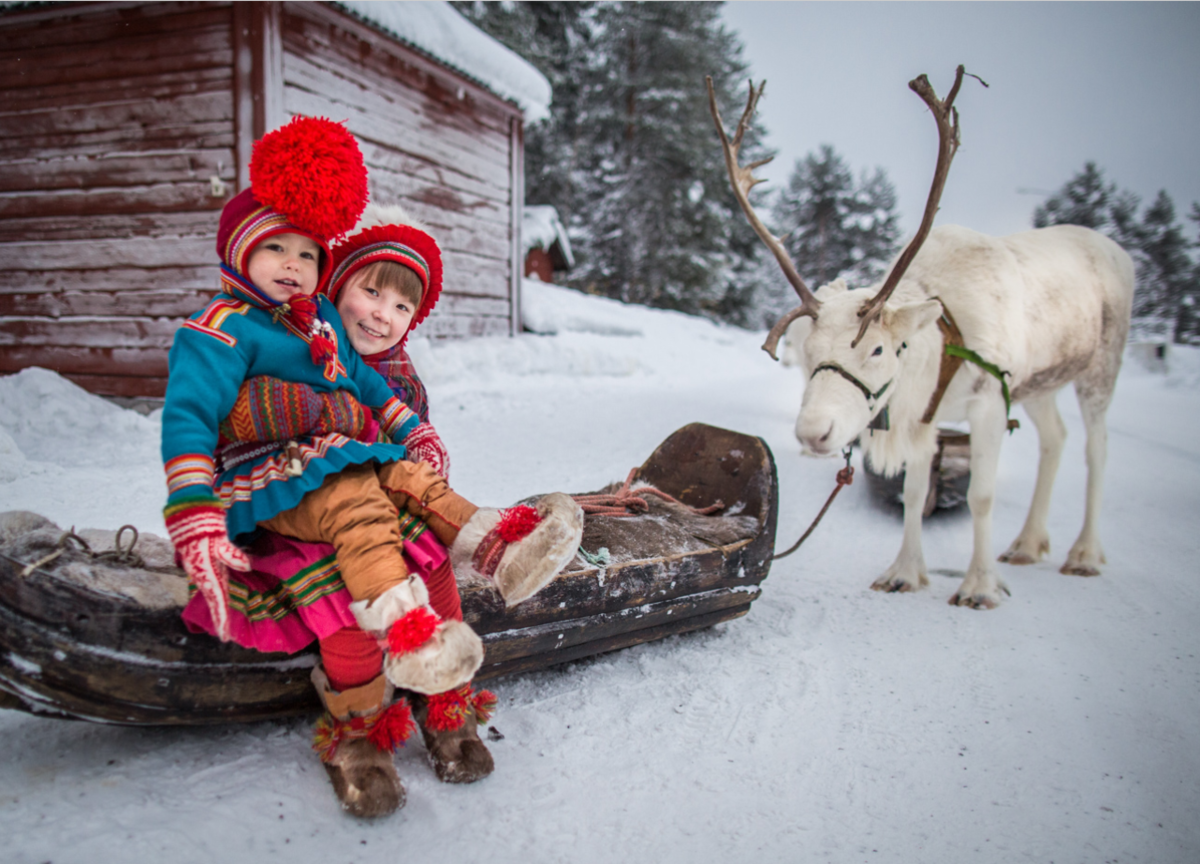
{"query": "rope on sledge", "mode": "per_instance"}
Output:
(630, 502)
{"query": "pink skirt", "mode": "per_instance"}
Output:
(295, 594)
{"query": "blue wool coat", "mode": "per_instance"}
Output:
(234, 339)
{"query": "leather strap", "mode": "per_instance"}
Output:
(951, 335)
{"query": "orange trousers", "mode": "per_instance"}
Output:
(356, 511)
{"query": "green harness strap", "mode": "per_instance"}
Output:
(992, 369)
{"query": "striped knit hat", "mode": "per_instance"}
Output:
(389, 241)
(307, 178)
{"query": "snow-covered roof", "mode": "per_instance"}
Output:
(438, 30)
(541, 227)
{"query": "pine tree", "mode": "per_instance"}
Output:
(835, 226)
(1085, 200)
(629, 157)
(1166, 274)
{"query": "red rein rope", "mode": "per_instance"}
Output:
(627, 502)
(844, 478)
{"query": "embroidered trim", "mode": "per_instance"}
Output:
(191, 469)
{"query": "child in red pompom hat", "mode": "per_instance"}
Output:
(338, 476)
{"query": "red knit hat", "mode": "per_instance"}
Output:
(306, 177)
(401, 244)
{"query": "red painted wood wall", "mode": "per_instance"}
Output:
(116, 118)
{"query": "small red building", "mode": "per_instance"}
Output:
(124, 128)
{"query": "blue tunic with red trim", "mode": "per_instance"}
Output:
(234, 338)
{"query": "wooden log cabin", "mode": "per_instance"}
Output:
(124, 128)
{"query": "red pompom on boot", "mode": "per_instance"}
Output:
(450, 726)
(521, 549)
(356, 739)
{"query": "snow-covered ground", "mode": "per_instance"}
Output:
(830, 724)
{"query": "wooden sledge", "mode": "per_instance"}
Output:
(949, 476)
(103, 640)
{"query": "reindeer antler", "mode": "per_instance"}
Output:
(946, 116)
(743, 180)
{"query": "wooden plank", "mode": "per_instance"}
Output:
(101, 89)
(453, 304)
(85, 361)
(157, 198)
(92, 332)
(131, 303)
(203, 136)
(106, 23)
(119, 169)
(470, 274)
(459, 327)
(110, 226)
(128, 386)
(199, 278)
(123, 252)
(183, 52)
(383, 160)
(131, 115)
(516, 156)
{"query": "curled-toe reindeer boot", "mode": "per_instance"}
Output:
(520, 549)
(356, 739)
(450, 726)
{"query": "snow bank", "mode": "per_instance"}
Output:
(438, 30)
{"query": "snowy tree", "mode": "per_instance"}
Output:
(834, 225)
(630, 158)
(1167, 278)
(1085, 200)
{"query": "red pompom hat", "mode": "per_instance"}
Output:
(306, 177)
(402, 244)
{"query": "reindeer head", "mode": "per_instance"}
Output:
(853, 347)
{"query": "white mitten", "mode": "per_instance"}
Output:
(423, 652)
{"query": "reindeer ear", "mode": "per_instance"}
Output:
(902, 323)
(837, 286)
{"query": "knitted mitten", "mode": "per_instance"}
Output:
(521, 549)
(450, 726)
(422, 652)
(424, 445)
(203, 547)
(356, 739)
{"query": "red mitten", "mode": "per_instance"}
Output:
(203, 547)
(424, 445)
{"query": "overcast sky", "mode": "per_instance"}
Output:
(1116, 83)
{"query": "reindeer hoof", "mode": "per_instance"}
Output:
(1014, 557)
(1070, 569)
(976, 601)
(894, 585)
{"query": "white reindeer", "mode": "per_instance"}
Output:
(1043, 308)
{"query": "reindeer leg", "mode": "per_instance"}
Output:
(1033, 543)
(908, 572)
(1086, 556)
(981, 587)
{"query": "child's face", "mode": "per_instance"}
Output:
(284, 265)
(375, 318)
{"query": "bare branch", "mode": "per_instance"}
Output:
(743, 180)
(946, 116)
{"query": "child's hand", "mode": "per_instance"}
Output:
(207, 555)
(424, 445)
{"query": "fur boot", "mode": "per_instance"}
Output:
(424, 653)
(450, 726)
(356, 739)
(521, 549)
